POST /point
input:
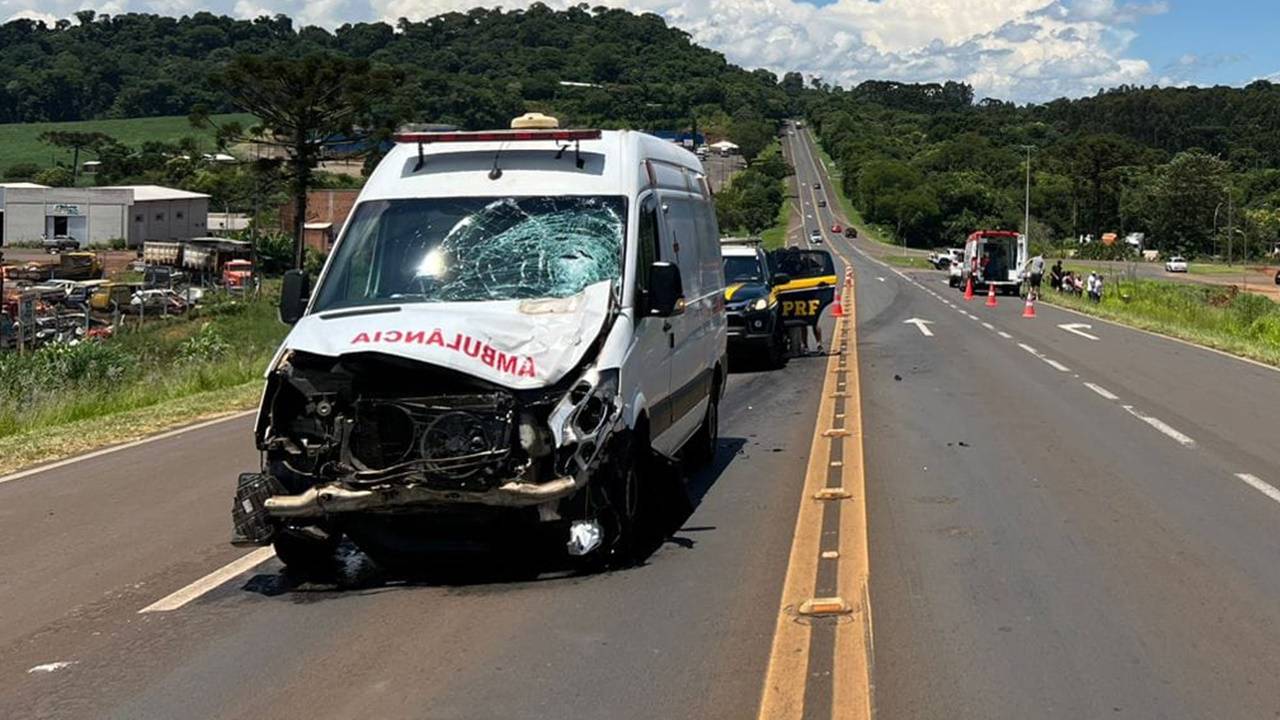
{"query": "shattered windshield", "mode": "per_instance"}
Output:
(742, 268)
(475, 249)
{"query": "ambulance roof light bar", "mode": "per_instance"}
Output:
(497, 136)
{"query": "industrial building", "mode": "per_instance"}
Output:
(100, 215)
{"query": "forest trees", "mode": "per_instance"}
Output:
(303, 105)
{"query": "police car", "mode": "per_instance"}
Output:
(751, 302)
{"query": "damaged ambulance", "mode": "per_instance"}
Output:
(511, 329)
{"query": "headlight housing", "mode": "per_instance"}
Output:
(759, 304)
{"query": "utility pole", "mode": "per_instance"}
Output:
(1026, 221)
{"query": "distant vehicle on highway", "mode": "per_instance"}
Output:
(821, 202)
(815, 236)
(943, 258)
(851, 232)
(837, 229)
(1176, 264)
(58, 243)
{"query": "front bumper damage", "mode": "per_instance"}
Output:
(335, 447)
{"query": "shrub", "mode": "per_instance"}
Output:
(22, 171)
(207, 344)
(55, 177)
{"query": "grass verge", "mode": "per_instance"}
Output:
(1216, 316)
(909, 261)
(846, 205)
(64, 399)
(62, 441)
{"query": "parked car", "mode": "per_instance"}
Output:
(851, 232)
(158, 300)
(837, 229)
(1176, 264)
(58, 243)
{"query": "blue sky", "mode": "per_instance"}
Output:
(1233, 41)
(1020, 50)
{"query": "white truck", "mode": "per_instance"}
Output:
(517, 332)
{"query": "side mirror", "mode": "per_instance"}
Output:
(666, 292)
(294, 293)
(781, 279)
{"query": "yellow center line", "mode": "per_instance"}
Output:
(788, 670)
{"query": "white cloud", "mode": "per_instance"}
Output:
(1013, 49)
(44, 17)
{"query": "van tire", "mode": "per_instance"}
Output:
(704, 443)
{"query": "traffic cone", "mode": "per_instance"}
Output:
(839, 308)
(968, 289)
(991, 294)
(1029, 310)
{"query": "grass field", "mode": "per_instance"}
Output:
(19, 143)
(1216, 316)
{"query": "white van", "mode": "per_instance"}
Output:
(511, 325)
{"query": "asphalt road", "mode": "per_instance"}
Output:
(688, 634)
(1059, 526)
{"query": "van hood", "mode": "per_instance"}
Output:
(519, 344)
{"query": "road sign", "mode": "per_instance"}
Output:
(921, 325)
(1078, 329)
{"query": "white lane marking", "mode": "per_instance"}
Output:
(1102, 391)
(1050, 362)
(921, 325)
(988, 326)
(52, 667)
(971, 316)
(1078, 329)
(236, 567)
(1260, 485)
(125, 446)
(1163, 427)
(1004, 335)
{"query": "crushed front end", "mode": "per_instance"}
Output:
(368, 434)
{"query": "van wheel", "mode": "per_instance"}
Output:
(702, 446)
(618, 497)
(310, 553)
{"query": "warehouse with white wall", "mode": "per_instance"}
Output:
(100, 215)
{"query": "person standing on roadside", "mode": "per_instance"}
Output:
(1055, 276)
(1035, 275)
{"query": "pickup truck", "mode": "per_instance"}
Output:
(58, 243)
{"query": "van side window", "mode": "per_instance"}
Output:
(647, 242)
